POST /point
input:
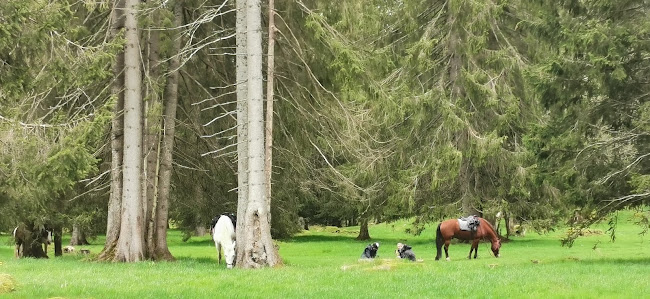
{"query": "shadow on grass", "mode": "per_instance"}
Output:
(194, 243)
(534, 242)
(609, 261)
(351, 239)
(320, 238)
(197, 260)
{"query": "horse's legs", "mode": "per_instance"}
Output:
(218, 245)
(475, 248)
(439, 244)
(447, 242)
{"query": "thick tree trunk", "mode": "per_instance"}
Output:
(200, 231)
(78, 236)
(257, 244)
(242, 125)
(364, 234)
(268, 146)
(131, 239)
(161, 251)
(117, 143)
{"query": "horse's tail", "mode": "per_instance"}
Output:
(439, 242)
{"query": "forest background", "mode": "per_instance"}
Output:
(383, 110)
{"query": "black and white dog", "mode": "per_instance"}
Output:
(371, 251)
(404, 252)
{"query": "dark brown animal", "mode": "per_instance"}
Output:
(451, 229)
(31, 243)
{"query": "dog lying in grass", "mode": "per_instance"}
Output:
(404, 252)
(371, 251)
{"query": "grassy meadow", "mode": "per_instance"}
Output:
(323, 263)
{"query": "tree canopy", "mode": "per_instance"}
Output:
(384, 110)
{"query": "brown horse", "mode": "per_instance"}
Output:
(451, 229)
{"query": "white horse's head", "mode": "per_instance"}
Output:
(230, 252)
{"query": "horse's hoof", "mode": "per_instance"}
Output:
(448, 259)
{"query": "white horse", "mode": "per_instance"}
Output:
(223, 235)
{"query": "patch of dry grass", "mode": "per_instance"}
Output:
(7, 283)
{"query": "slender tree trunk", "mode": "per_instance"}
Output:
(458, 92)
(161, 251)
(131, 239)
(117, 143)
(57, 235)
(258, 246)
(242, 125)
(152, 137)
(268, 146)
(509, 224)
(364, 234)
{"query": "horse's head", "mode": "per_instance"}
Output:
(229, 253)
(496, 245)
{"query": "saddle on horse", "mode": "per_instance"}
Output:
(469, 223)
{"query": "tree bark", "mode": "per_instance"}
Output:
(117, 142)
(57, 235)
(457, 92)
(257, 244)
(78, 236)
(364, 234)
(152, 138)
(242, 125)
(131, 238)
(161, 251)
(268, 146)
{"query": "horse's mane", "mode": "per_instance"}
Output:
(491, 227)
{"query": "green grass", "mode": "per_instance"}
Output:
(322, 263)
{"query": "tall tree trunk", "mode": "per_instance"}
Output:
(258, 245)
(457, 93)
(152, 136)
(57, 235)
(131, 239)
(242, 125)
(117, 143)
(509, 224)
(161, 251)
(268, 146)
(364, 234)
